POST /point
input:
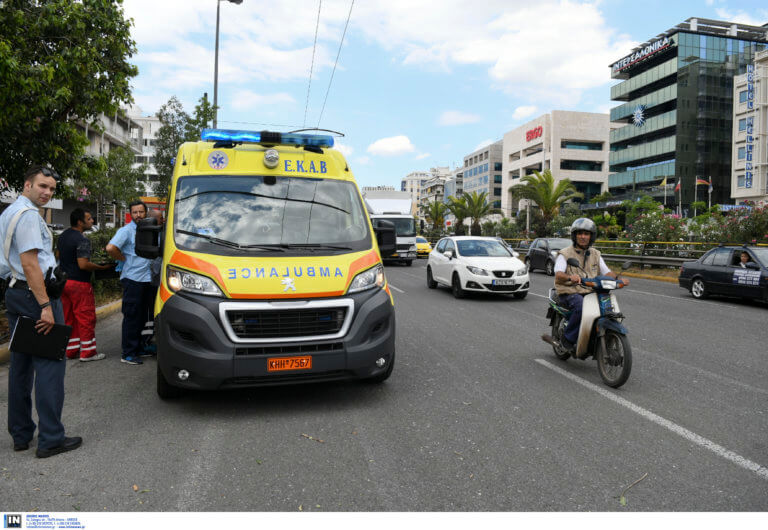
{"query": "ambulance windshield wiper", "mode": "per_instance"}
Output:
(264, 196)
(232, 244)
(314, 246)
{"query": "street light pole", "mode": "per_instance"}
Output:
(216, 62)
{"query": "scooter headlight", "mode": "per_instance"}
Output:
(373, 277)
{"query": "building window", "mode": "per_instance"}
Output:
(497, 166)
(497, 192)
(589, 146)
(743, 124)
(497, 204)
(497, 179)
(743, 96)
(581, 165)
(740, 181)
(742, 153)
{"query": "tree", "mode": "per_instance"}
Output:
(178, 127)
(458, 207)
(61, 63)
(110, 179)
(435, 214)
(541, 190)
(477, 208)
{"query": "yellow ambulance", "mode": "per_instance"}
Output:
(271, 269)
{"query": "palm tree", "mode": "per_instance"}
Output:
(477, 208)
(458, 207)
(435, 214)
(541, 190)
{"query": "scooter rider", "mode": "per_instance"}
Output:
(568, 278)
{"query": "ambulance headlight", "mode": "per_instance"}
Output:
(179, 280)
(373, 277)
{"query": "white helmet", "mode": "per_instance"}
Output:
(584, 224)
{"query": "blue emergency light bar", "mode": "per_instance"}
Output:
(266, 137)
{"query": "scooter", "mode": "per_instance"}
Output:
(601, 333)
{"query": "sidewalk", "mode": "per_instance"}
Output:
(101, 312)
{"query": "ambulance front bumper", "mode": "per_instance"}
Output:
(195, 335)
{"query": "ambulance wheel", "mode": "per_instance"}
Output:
(165, 390)
(385, 374)
(408, 262)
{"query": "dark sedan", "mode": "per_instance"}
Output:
(723, 271)
(543, 253)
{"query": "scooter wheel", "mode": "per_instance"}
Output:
(614, 359)
(557, 333)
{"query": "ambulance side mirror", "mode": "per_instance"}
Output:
(147, 238)
(386, 237)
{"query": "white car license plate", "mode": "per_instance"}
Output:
(503, 282)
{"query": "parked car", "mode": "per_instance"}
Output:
(719, 272)
(480, 264)
(423, 248)
(543, 253)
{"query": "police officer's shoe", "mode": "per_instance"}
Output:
(68, 444)
(20, 446)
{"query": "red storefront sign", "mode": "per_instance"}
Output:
(534, 133)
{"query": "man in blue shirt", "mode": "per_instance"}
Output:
(135, 278)
(26, 258)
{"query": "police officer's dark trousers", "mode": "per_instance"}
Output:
(136, 301)
(26, 370)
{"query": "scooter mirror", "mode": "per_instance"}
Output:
(573, 262)
(626, 265)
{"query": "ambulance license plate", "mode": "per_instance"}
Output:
(503, 282)
(280, 364)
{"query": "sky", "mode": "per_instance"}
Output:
(415, 84)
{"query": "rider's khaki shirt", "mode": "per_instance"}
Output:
(590, 264)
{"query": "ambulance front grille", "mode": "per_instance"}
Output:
(286, 323)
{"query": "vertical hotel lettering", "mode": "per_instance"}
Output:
(750, 123)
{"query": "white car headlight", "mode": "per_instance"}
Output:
(179, 280)
(373, 277)
(522, 272)
(477, 271)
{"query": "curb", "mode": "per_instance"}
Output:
(101, 312)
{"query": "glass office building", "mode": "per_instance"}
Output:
(676, 95)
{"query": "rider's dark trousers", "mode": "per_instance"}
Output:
(574, 303)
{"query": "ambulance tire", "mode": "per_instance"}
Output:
(408, 262)
(165, 390)
(384, 375)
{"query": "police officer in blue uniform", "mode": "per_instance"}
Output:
(26, 258)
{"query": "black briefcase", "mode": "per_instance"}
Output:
(25, 339)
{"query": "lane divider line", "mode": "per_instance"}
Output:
(719, 450)
(395, 288)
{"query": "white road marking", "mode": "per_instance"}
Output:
(719, 450)
(396, 289)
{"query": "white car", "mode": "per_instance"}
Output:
(479, 264)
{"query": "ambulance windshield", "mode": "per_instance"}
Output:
(262, 214)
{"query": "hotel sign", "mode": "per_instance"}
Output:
(642, 54)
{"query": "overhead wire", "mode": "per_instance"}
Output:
(349, 15)
(312, 66)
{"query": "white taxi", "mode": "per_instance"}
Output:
(479, 264)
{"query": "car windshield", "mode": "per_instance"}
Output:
(558, 244)
(404, 226)
(482, 247)
(266, 213)
(421, 240)
(761, 253)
